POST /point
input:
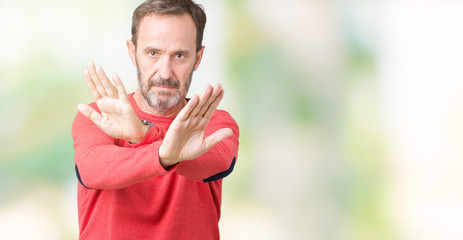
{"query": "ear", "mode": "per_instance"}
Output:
(199, 56)
(131, 48)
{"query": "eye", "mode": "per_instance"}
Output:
(152, 53)
(179, 56)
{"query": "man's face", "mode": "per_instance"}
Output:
(165, 57)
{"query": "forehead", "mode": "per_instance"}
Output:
(167, 31)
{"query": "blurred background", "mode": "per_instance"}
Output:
(350, 113)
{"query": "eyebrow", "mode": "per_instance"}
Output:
(184, 52)
(149, 49)
(181, 51)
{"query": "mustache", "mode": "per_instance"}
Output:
(157, 81)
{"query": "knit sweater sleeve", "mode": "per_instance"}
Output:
(102, 162)
(218, 162)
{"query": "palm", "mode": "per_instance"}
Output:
(190, 142)
(185, 139)
(117, 117)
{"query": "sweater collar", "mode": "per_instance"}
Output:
(147, 116)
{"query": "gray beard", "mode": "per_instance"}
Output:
(153, 99)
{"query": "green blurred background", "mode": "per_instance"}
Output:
(350, 113)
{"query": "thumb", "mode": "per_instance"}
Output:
(90, 113)
(217, 137)
(84, 109)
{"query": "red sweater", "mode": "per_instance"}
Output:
(125, 193)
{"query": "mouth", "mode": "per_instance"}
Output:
(165, 87)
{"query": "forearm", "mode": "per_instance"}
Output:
(114, 167)
(213, 165)
(219, 161)
(103, 162)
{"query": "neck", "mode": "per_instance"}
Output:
(145, 107)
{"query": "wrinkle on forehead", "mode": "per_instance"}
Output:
(167, 33)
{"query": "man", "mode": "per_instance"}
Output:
(150, 164)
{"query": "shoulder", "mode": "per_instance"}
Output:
(222, 115)
(94, 106)
(221, 119)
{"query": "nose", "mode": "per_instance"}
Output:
(165, 69)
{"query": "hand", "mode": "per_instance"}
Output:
(184, 139)
(117, 118)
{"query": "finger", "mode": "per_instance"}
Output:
(202, 100)
(185, 113)
(217, 137)
(210, 111)
(90, 113)
(96, 80)
(215, 93)
(109, 87)
(122, 93)
(91, 85)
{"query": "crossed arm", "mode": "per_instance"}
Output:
(184, 140)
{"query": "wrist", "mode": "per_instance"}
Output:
(167, 163)
(143, 130)
(165, 159)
